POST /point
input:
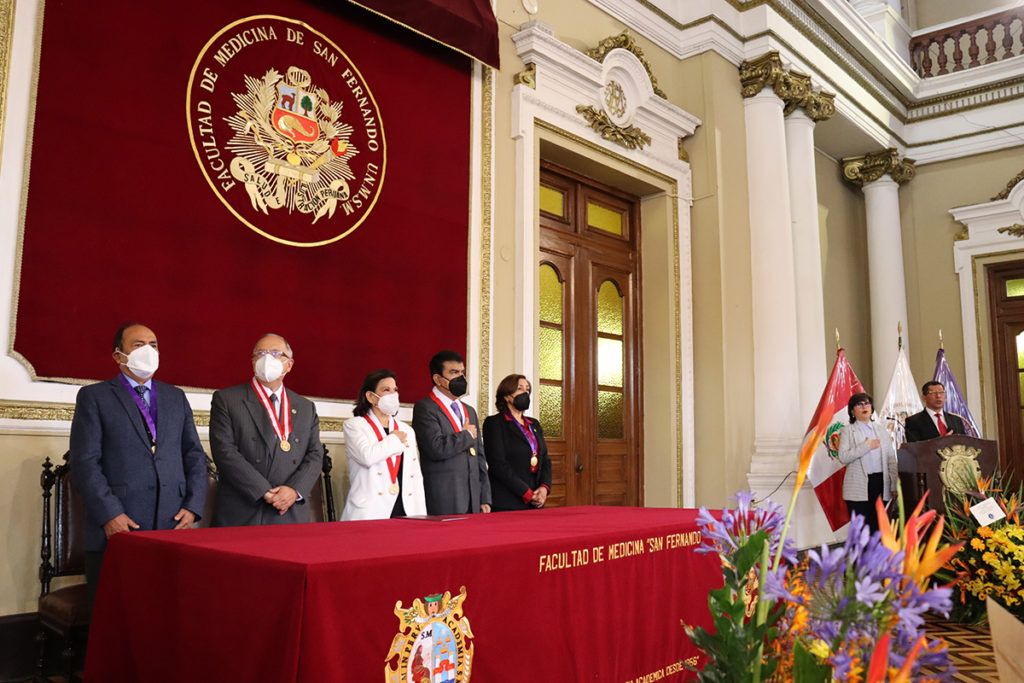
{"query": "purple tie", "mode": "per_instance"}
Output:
(458, 413)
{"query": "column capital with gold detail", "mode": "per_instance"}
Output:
(792, 87)
(870, 167)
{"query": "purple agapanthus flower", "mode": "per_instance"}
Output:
(725, 535)
(852, 593)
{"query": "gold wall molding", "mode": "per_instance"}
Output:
(630, 137)
(6, 43)
(527, 77)
(1009, 187)
(1016, 230)
(964, 234)
(626, 41)
(820, 106)
(64, 412)
(870, 167)
(36, 410)
(486, 228)
(683, 154)
(792, 87)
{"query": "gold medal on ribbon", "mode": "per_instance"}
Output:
(285, 446)
(533, 461)
(393, 489)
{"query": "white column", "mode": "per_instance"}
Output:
(810, 306)
(778, 424)
(886, 280)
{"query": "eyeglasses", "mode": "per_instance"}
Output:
(937, 393)
(275, 353)
(863, 404)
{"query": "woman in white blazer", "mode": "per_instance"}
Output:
(383, 461)
(866, 449)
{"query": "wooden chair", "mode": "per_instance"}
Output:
(65, 610)
(321, 498)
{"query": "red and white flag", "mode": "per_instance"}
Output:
(818, 457)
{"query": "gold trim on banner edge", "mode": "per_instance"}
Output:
(7, 11)
(25, 179)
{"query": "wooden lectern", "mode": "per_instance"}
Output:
(945, 462)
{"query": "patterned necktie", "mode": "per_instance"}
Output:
(277, 409)
(143, 391)
(942, 425)
(458, 413)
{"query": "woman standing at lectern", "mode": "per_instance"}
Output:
(383, 461)
(866, 450)
(517, 457)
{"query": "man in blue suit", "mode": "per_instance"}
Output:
(135, 459)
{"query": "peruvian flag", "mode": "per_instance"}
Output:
(818, 457)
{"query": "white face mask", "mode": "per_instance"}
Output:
(388, 403)
(142, 361)
(269, 368)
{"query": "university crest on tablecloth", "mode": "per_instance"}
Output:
(432, 645)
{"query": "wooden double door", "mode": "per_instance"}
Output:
(589, 384)
(1006, 301)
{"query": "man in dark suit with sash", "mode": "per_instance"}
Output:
(266, 443)
(933, 421)
(448, 433)
(135, 459)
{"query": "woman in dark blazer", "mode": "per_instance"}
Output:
(517, 457)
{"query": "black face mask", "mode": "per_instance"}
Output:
(458, 386)
(521, 402)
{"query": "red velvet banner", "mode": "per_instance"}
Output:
(556, 596)
(221, 172)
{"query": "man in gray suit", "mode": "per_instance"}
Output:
(266, 443)
(454, 467)
(135, 456)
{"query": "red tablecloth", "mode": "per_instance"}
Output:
(317, 602)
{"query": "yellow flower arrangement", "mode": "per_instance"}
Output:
(991, 563)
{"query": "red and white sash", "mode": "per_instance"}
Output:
(450, 415)
(282, 430)
(394, 461)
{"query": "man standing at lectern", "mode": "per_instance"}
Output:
(266, 443)
(933, 421)
(454, 469)
(135, 456)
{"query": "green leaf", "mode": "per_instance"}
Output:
(806, 668)
(749, 553)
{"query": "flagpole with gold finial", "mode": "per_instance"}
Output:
(838, 347)
(941, 347)
(899, 335)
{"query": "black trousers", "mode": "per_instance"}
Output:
(866, 508)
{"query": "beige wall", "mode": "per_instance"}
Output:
(844, 269)
(722, 314)
(931, 12)
(933, 288)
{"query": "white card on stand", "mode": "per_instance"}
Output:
(987, 511)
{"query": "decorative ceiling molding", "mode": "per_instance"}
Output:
(875, 87)
(611, 101)
(870, 167)
(792, 87)
(1009, 186)
(628, 43)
